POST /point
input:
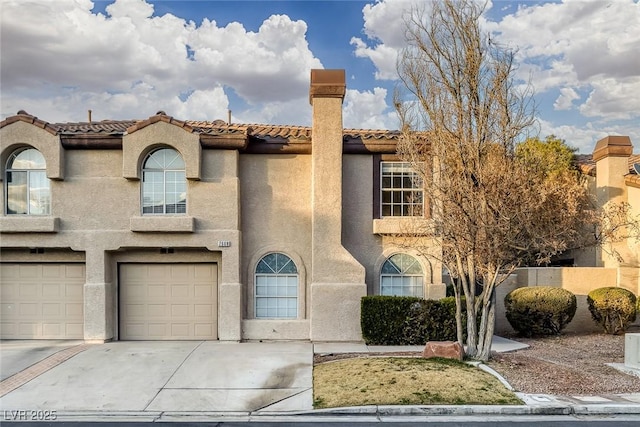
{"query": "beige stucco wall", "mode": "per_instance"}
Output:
(580, 281)
(96, 206)
(369, 248)
(275, 196)
(21, 134)
(633, 198)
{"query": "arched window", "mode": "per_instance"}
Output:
(164, 186)
(402, 275)
(276, 287)
(27, 186)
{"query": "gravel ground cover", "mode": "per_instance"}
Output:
(569, 364)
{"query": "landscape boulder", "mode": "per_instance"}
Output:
(446, 349)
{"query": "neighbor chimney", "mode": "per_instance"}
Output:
(89, 116)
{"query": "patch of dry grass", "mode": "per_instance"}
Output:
(405, 381)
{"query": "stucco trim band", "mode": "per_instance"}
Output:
(29, 224)
(162, 224)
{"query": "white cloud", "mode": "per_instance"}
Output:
(383, 26)
(591, 45)
(60, 59)
(368, 110)
(566, 98)
(295, 111)
(584, 137)
(613, 99)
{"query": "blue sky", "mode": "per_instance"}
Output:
(127, 59)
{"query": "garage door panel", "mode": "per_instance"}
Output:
(158, 330)
(203, 330)
(41, 301)
(51, 290)
(50, 310)
(74, 272)
(203, 310)
(168, 301)
(178, 310)
(74, 310)
(74, 290)
(180, 290)
(157, 310)
(51, 329)
(180, 329)
(52, 272)
(26, 290)
(29, 329)
(202, 291)
(26, 271)
(74, 329)
(156, 291)
(29, 309)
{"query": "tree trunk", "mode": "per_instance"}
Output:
(487, 327)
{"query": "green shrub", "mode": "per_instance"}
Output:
(390, 320)
(539, 310)
(612, 308)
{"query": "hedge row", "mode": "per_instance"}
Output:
(391, 320)
(546, 310)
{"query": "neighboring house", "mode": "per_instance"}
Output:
(612, 175)
(162, 229)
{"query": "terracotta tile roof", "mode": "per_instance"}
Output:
(214, 128)
(106, 127)
(587, 166)
(263, 131)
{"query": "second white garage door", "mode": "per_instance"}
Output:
(168, 301)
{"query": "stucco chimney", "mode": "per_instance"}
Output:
(611, 155)
(337, 278)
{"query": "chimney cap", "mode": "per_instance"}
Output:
(612, 146)
(327, 84)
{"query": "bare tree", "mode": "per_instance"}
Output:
(463, 114)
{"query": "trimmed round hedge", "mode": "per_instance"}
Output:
(612, 308)
(539, 310)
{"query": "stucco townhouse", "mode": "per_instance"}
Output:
(162, 229)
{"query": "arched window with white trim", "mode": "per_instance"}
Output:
(164, 184)
(276, 287)
(402, 275)
(27, 188)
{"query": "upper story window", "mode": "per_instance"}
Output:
(27, 186)
(276, 287)
(164, 185)
(401, 190)
(402, 275)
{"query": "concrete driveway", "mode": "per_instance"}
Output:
(170, 376)
(18, 355)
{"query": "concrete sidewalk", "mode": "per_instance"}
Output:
(214, 381)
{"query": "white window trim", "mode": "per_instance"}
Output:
(277, 276)
(164, 184)
(392, 190)
(28, 172)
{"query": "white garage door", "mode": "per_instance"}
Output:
(41, 301)
(168, 301)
